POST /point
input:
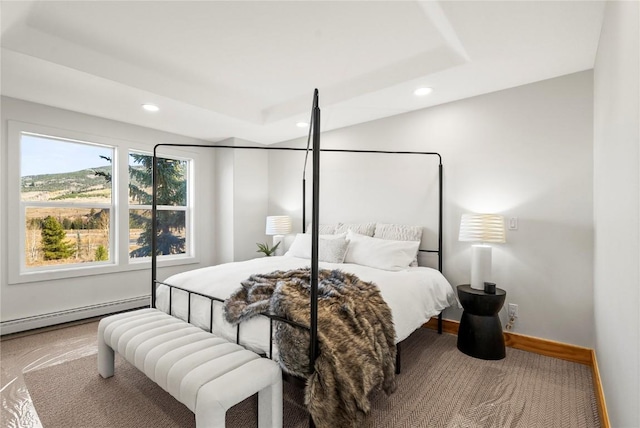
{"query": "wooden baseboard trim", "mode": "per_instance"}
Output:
(448, 326)
(549, 348)
(597, 386)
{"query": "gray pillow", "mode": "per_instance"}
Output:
(331, 248)
(324, 229)
(360, 228)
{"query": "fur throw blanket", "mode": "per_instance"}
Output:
(355, 332)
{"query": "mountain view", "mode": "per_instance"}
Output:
(83, 184)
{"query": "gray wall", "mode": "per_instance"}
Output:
(617, 211)
(53, 296)
(525, 152)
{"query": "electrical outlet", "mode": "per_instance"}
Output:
(512, 310)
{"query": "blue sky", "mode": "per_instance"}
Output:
(41, 155)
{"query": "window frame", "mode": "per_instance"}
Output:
(119, 215)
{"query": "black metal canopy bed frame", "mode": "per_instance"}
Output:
(313, 146)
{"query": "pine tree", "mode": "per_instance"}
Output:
(172, 190)
(54, 246)
(101, 254)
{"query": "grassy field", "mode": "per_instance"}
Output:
(87, 241)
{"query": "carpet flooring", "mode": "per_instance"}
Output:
(438, 387)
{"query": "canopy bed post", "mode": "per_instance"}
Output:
(154, 227)
(440, 227)
(313, 351)
(304, 209)
(440, 231)
(314, 105)
(315, 227)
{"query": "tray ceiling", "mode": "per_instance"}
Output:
(248, 69)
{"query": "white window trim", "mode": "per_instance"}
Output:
(120, 260)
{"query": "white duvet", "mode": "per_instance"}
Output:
(414, 295)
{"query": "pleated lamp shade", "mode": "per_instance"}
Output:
(482, 228)
(278, 225)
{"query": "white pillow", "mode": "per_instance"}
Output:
(331, 248)
(383, 254)
(399, 232)
(361, 228)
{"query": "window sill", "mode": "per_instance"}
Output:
(103, 269)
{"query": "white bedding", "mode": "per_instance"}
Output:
(414, 295)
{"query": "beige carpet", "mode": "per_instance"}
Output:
(439, 387)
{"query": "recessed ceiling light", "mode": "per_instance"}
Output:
(150, 107)
(302, 124)
(422, 91)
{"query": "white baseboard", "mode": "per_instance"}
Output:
(46, 320)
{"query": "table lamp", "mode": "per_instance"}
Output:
(278, 226)
(485, 229)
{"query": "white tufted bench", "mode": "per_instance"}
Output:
(202, 371)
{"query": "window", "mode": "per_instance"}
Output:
(81, 204)
(65, 201)
(172, 213)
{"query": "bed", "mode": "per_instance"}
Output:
(412, 294)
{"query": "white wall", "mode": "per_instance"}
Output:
(525, 152)
(224, 197)
(241, 193)
(617, 211)
(45, 297)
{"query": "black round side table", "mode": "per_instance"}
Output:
(480, 331)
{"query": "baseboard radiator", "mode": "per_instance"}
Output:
(54, 318)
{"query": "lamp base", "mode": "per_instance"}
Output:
(480, 266)
(278, 239)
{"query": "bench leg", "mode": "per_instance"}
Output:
(269, 410)
(270, 405)
(106, 356)
(216, 397)
(211, 416)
